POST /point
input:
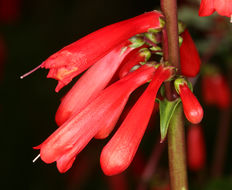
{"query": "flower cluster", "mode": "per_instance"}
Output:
(119, 58)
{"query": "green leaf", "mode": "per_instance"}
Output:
(167, 109)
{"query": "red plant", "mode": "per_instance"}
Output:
(117, 155)
(80, 55)
(192, 108)
(216, 91)
(71, 137)
(223, 7)
(196, 152)
(189, 58)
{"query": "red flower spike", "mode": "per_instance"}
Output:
(130, 62)
(78, 56)
(196, 148)
(216, 91)
(70, 138)
(192, 108)
(117, 155)
(189, 58)
(223, 7)
(91, 83)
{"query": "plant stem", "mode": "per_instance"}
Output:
(176, 138)
(176, 151)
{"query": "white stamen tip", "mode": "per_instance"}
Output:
(36, 158)
(33, 70)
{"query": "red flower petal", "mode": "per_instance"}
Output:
(78, 56)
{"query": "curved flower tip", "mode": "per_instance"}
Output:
(80, 55)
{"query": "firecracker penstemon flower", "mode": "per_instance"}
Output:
(71, 137)
(80, 55)
(119, 152)
(93, 81)
(122, 56)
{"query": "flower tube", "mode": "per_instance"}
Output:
(70, 138)
(91, 83)
(78, 56)
(117, 155)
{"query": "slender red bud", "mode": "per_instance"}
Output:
(192, 108)
(189, 58)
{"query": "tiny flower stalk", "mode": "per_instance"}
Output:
(80, 55)
(189, 58)
(71, 137)
(196, 148)
(192, 108)
(119, 152)
(93, 81)
(223, 7)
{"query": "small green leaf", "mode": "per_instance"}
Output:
(167, 109)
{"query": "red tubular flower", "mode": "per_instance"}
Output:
(192, 108)
(189, 58)
(196, 148)
(78, 56)
(216, 91)
(117, 155)
(70, 138)
(223, 7)
(91, 83)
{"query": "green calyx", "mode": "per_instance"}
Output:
(145, 53)
(151, 36)
(180, 41)
(136, 41)
(181, 27)
(155, 48)
(181, 81)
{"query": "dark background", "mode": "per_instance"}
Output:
(28, 106)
